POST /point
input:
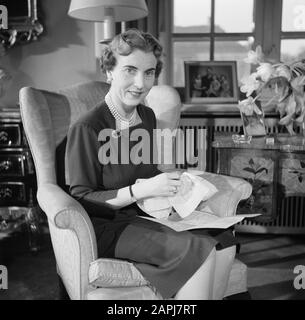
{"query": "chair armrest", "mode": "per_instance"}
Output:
(231, 191)
(69, 225)
(223, 183)
(53, 200)
(66, 213)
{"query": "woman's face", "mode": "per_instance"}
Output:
(132, 78)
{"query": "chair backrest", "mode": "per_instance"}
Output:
(47, 117)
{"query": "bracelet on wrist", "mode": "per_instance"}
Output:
(133, 198)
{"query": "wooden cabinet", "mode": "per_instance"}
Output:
(18, 204)
(290, 217)
(275, 166)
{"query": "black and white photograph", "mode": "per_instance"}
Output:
(211, 82)
(152, 151)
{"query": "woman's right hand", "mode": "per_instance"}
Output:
(162, 185)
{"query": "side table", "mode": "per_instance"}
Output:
(274, 165)
(18, 205)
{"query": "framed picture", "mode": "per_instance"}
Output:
(211, 82)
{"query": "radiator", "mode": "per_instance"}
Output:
(291, 213)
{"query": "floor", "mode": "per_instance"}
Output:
(270, 260)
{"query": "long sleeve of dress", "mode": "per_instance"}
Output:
(84, 168)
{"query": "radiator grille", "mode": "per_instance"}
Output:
(291, 211)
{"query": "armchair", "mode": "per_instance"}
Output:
(47, 117)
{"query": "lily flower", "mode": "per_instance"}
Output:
(264, 71)
(283, 71)
(285, 81)
(298, 84)
(250, 84)
(255, 57)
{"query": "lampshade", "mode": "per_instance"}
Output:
(99, 10)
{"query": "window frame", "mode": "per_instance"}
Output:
(267, 32)
(289, 35)
(210, 36)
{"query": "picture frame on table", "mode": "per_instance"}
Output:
(211, 82)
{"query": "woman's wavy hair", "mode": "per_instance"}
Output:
(124, 43)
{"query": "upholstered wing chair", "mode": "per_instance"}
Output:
(47, 117)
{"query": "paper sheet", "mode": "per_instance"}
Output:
(200, 220)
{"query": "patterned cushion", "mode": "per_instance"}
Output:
(115, 273)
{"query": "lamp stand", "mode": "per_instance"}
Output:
(108, 33)
(109, 25)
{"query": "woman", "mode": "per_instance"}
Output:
(225, 86)
(214, 87)
(197, 89)
(180, 265)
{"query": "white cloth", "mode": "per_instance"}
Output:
(193, 190)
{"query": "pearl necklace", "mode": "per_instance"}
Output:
(123, 122)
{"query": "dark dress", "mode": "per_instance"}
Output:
(167, 259)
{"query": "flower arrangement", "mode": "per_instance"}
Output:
(287, 83)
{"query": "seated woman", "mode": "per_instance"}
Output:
(102, 177)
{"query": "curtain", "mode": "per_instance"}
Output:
(159, 24)
(151, 22)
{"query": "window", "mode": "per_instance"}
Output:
(207, 30)
(228, 29)
(293, 30)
